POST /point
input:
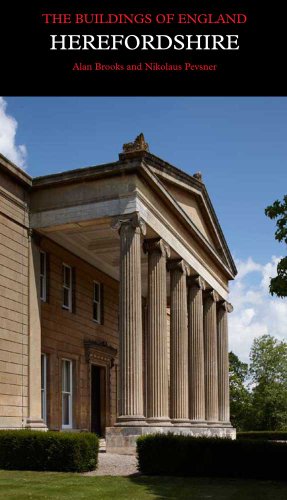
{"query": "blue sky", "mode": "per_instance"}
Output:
(239, 145)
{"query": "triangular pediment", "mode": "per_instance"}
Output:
(191, 205)
(190, 195)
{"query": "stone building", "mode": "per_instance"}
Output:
(113, 301)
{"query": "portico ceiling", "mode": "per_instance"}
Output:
(97, 243)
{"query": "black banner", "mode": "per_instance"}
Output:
(149, 48)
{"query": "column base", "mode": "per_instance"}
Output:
(122, 439)
(214, 423)
(131, 421)
(180, 422)
(225, 424)
(198, 423)
(160, 421)
(36, 424)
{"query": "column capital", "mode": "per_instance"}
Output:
(196, 281)
(133, 221)
(157, 245)
(178, 265)
(225, 305)
(212, 294)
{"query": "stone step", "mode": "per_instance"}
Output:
(102, 445)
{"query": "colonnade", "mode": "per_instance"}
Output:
(199, 388)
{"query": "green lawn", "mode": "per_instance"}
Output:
(46, 485)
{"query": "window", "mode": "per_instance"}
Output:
(43, 276)
(97, 299)
(44, 387)
(67, 287)
(67, 389)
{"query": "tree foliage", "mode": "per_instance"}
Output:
(268, 358)
(240, 398)
(278, 210)
(258, 393)
(268, 372)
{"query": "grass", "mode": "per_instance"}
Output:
(46, 485)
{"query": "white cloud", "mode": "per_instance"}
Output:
(246, 267)
(8, 146)
(256, 312)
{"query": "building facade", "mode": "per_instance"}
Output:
(113, 301)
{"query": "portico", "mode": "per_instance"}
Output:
(199, 388)
(145, 235)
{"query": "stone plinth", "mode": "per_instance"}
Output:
(122, 440)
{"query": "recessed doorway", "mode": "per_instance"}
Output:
(98, 400)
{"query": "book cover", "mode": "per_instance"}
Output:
(140, 146)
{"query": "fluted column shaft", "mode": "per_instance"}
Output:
(178, 343)
(210, 357)
(196, 351)
(156, 346)
(223, 361)
(130, 321)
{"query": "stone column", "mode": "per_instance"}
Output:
(130, 320)
(196, 351)
(178, 343)
(223, 361)
(156, 346)
(210, 357)
(34, 420)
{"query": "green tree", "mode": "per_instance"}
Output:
(278, 210)
(268, 373)
(240, 398)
